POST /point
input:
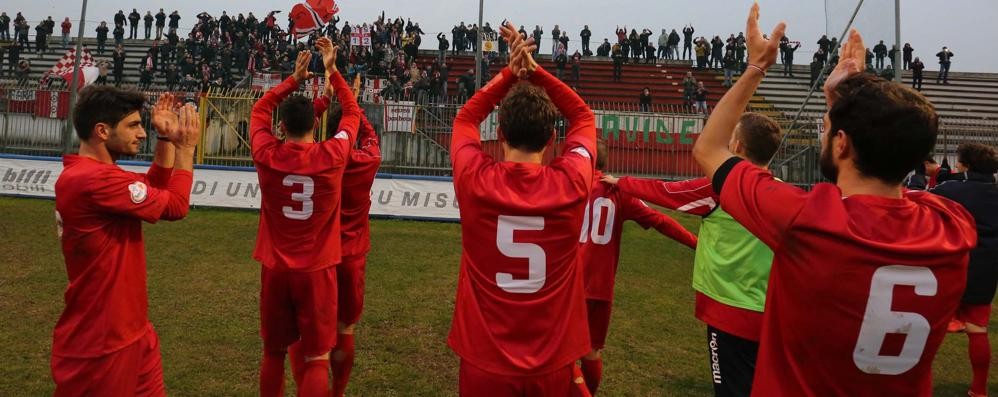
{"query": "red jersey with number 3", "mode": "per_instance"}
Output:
(602, 227)
(301, 186)
(520, 306)
(861, 288)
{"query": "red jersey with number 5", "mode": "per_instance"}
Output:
(520, 306)
(861, 288)
(602, 226)
(301, 186)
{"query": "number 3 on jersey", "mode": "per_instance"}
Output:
(305, 197)
(879, 320)
(600, 235)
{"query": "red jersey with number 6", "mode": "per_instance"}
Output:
(602, 226)
(520, 306)
(861, 288)
(301, 186)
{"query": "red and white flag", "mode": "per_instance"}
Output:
(89, 72)
(312, 15)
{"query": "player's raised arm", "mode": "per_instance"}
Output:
(261, 120)
(638, 211)
(695, 196)
(165, 122)
(350, 120)
(711, 149)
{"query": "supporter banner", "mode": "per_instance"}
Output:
(52, 104)
(360, 36)
(403, 197)
(21, 101)
(629, 130)
(490, 42)
(372, 90)
(400, 116)
(646, 130)
(265, 81)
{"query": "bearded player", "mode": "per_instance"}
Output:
(298, 241)
(520, 318)
(602, 229)
(104, 344)
(865, 276)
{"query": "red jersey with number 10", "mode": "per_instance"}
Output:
(299, 213)
(602, 226)
(520, 307)
(861, 288)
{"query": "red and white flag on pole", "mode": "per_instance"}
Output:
(312, 15)
(89, 72)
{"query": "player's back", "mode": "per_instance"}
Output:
(519, 305)
(600, 239)
(861, 291)
(358, 177)
(300, 186)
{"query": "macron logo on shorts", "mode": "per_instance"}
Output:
(342, 135)
(138, 192)
(581, 151)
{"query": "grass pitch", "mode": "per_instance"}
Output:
(203, 300)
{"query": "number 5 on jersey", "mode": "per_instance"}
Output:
(305, 197)
(533, 253)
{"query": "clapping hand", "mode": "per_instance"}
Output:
(188, 127)
(762, 51)
(521, 59)
(329, 52)
(165, 119)
(852, 61)
(301, 66)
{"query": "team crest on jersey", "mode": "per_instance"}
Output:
(342, 135)
(581, 151)
(138, 191)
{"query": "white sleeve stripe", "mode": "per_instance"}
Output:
(666, 187)
(709, 202)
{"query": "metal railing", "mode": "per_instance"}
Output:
(655, 141)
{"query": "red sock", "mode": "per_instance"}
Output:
(342, 366)
(272, 375)
(297, 362)
(315, 381)
(592, 372)
(980, 360)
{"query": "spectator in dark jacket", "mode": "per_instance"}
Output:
(644, 100)
(916, 73)
(975, 188)
(160, 23)
(133, 24)
(944, 63)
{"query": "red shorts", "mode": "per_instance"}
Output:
(978, 315)
(350, 288)
(598, 313)
(474, 382)
(136, 370)
(298, 305)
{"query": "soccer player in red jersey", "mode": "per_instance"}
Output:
(865, 276)
(520, 317)
(104, 344)
(602, 227)
(731, 266)
(355, 238)
(975, 188)
(298, 242)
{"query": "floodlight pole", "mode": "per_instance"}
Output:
(478, 52)
(67, 134)
(897, 41)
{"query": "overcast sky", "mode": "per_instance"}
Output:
(963, 25)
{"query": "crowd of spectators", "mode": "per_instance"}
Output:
(224, 51)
